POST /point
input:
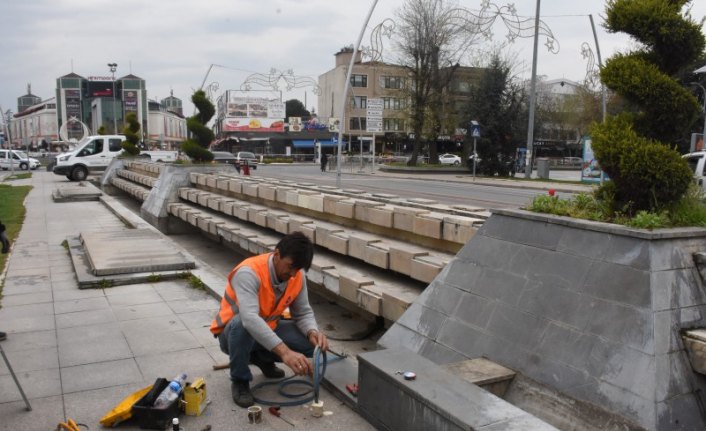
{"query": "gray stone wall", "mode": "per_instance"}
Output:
(590, 309)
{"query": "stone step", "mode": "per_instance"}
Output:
(483, 372)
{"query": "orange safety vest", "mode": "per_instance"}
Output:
(269, 311)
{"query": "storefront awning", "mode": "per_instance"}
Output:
(309, 143)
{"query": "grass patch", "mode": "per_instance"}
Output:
(22, 176)
(12, 214)
(689, 211)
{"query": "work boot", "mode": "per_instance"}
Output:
(241, 393)
(3, 336)
(269, 369)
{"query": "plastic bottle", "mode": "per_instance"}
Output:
(170, 393)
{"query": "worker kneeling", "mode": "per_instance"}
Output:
(249, 326)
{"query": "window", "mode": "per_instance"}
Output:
(115, 144)
(393, 82)
(357, 123)
(393, 103)
(359, 102)
(93, 147)
(393, 124)
(359, 80)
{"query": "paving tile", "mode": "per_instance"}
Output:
(90, 406)
(141, 311)
(29, 340)
(159, 324)
(134, 298)
(84, 318)
(198, 319)
(93, 343)
(9, 300)
(100, 375)
(43, 416)
(30, 360)
(36, 384)
(85, 304)
(76, 293)
(151, 342)
(194, 362)
(187, 306)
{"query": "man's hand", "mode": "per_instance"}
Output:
(317, 338)
(298, 363)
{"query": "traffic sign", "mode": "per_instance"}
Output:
(373, 121)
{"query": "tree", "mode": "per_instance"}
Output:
(295, 108)
(497, 104)
(132, 137)
(101, 130)
(634, 148)
(430, 39)
(197, 147)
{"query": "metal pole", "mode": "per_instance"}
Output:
(113, 67)
(344, 99)
(17, 382)
(600, 66)
(10, 154)
(533, 97)
(703, 136)
(372, 170)
(475, 159)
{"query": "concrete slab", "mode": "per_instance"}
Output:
(81, 192)
(132, 251)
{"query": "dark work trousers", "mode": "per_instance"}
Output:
(237, 343)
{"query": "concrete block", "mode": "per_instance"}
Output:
(292, 197)
(331, 281)
(428, 225)
(258, 215)
(281, 193)
(357, 243)
(213, 226)
(344, 208)
(202, 178)
(245, 237)
(330, 203)
(460, 229)
(250, 189)
(396, 299)
(309, 230)
(227, 206)
(222, 183)
(350, 281)
(211, 181)
(240, 210)
(202, 222)
(401, 256)
(362, 209)
(315, 203)
(318, 266)
(194, 177)
(323, 230)
(202, 198)
(267, 192)
(235, 186)
(381, 216)
(184, 193)
(426, 268)
(338, 242)
(214, 202)
(274, 221)
(378, 254)
(403, 217)
(296, 224)
(370, 299)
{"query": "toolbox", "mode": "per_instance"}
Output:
(148, 417)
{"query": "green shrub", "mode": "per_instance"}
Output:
(197, 153)
(132, 136)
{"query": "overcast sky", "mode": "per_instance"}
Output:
(172, 43)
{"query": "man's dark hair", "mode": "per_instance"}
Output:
(298, 247)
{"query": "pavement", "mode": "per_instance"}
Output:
(77, 353)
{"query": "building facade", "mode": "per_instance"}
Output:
(166, 129)
(34, 127)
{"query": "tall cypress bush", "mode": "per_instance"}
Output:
(202, 136)
(636, 148)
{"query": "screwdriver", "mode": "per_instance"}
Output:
(274, 410)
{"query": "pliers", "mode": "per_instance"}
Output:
(69, 425)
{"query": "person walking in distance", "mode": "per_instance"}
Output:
(249, 324)
(324, 160)
(3, 239)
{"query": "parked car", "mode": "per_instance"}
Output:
(243, 157)
(20, 160)
(224, 157)
(572, 161)
(449, 159)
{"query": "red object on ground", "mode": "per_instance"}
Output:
(353, 389)
(246, 168)
(551, 192)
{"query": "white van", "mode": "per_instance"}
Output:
(92, 153)
(20, 160)
(697, 164)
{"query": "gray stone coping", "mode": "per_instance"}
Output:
(614, 229)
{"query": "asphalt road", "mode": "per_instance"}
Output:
(441, 188)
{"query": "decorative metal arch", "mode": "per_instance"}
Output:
(63, 131)
(275, 77)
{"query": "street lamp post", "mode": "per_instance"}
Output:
(8, 115)
(703, 136)
(113, 67)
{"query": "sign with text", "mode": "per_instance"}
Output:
(374, 115)
(253, 114)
